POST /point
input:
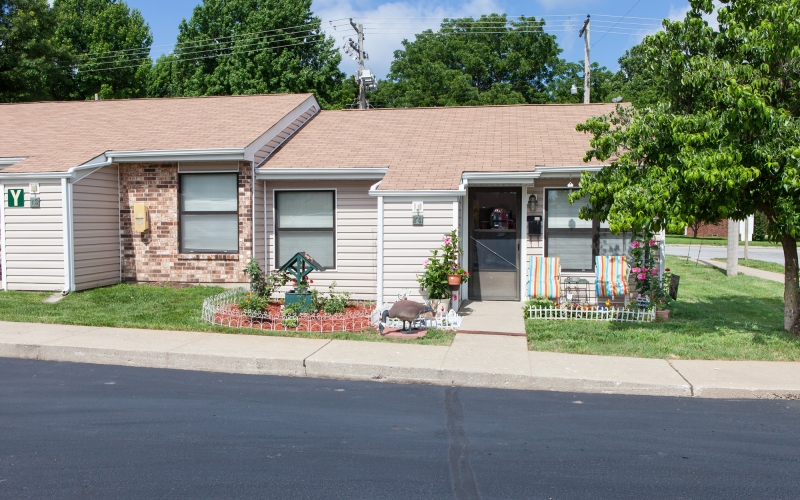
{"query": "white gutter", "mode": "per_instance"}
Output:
(66, 230)
(379, 250)
(219, 154)
(36, 175)
(419, 193)
(3, 264)
(546, 172)
(7, 162)
(495, 178)
(320, 174)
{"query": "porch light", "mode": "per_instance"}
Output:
(533, 200)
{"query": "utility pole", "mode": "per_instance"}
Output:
(587, 68)
(359, 48)
(732, 266)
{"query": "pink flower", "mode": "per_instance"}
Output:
(636, 270)
(447, 240)
(426, 262)
(641, 276)
(635, 244)
(644, 269)
(654, 271)
(653, 243)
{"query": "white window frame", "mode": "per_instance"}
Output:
(274, 253)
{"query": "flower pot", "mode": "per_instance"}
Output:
(454, 279)
(663, 314)
(304, 299)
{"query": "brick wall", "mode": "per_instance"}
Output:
(719, 229)
(153, 256)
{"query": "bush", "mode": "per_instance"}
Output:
(535, 302)
(759, 227)
(678, 229)
(336, 303)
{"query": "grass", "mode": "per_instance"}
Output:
(720, 242)
(715, 317)
(156, 308)
(758, 264)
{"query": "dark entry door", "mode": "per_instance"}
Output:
(494, 223)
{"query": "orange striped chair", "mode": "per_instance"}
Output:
(611, 275)
(544, 277)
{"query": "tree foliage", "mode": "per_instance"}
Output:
(31, 60)
(110, 44)
(722, 141)
(250, 47)
(604, 84)
(493, 61)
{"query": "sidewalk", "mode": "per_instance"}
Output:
(747, 271)
(473, 360)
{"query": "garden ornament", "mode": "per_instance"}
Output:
(406, 311)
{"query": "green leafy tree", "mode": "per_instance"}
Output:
(165, 78)
(252, 47)
(111, 47)
(724, 140)
(492, 61)
(31, 62)
(605, 85)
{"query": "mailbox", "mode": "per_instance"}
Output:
(140, 219)
(535, 225)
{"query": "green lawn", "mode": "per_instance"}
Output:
(715, 318)
(721, 242)
(153, 307)
(758, 264)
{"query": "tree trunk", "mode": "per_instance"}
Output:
(791, 295)
(695, 227)
(733, 248)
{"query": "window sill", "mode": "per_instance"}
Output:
(208, 256)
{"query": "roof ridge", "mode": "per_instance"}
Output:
(306, 94)
(525, 105)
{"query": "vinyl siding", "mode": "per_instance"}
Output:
(272, 145)
(35, 240)
(406, 246)
(258, 220)
(96, 229)
(356, 236)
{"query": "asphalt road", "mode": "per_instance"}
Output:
(770, 254)
(88, 431)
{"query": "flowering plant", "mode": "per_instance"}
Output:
(650, 287)
(443, 261)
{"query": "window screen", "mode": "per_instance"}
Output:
(305, 222)
(209, 219)
(567, 236)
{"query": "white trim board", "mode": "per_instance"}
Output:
(310, 104)
(321, 174)
(3, 235)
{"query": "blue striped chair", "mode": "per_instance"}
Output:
(543, 277)
(611, 275)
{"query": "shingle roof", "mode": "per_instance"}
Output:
(55, 136)
(429, 148)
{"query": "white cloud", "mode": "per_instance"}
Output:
(383, 36)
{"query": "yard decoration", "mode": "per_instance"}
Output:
(443, 270)
(721, 143)
(406, 311)
(300, 266)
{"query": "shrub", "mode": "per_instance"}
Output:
(336, 303)
(434, 277)
(535, 302)
(759, 227)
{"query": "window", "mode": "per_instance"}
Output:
(574, 240)
(305, 222)
(209, 213)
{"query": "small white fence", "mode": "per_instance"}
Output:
(449, 321)
(608, 314)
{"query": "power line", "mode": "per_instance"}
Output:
(623, 17)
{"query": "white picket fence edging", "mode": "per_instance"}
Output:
(449, 321)
(609, 314)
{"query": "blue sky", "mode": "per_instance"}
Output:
(391, 21)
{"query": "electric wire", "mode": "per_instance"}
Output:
(623, 17)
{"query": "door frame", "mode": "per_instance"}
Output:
(520, 231)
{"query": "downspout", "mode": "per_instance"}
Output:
(66, 221)
(3, 263)
(379, 249)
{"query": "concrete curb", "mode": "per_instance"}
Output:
(484, 361)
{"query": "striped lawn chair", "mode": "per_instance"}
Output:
(611, 275)
(543, 277)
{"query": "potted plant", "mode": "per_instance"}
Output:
(438, 269)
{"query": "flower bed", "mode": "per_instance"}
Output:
(223, 310)
(592, 314)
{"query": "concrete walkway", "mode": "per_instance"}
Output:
(472, 360)
(503, 317)
(747, 271)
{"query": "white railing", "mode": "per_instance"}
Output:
(593, 314)
(449, 321)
